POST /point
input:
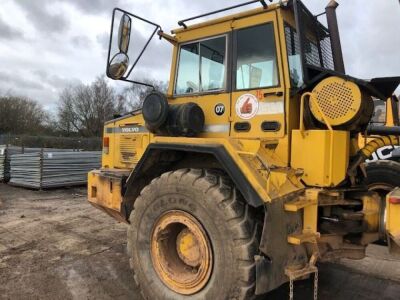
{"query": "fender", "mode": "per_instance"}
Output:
(159, 157)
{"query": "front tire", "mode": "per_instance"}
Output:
(193, 236)
(383, 175)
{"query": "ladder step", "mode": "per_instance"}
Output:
(307, 237)
(295, 274)
(301, 203)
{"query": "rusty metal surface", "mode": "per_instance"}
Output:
(181, 252)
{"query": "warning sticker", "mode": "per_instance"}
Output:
(247, 106)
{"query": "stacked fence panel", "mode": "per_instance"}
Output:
(3, 169)
(26, 170)
(42, 170)
(6, 151)
(5, 155)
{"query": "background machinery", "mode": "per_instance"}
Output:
(249, 169)
(383, 167)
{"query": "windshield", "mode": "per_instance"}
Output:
(256, 58)
(201, 66)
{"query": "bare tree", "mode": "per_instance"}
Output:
(83, 109)
(20, 115)
(135, 94)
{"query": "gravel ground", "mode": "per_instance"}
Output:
(55, 245)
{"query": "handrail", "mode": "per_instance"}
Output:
(182, 22)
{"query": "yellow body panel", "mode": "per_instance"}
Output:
(104, 192)
(312, 151)
(393, 222)
(392, 214)
(242, 154)
(128, 139)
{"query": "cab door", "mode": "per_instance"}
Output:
(202, 76)
(257, 100)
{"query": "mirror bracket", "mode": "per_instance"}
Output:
(167, 37)
(156, 29)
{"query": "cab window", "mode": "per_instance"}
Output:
(202, 66)
(256, 64)
(379, 115)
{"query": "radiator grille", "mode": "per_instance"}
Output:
(128, 148)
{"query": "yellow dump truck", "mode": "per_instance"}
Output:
(248, 171)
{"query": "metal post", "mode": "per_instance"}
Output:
(335, 37)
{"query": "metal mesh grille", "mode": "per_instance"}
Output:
(335, 100)
(317, 42)
(312, 54)
(292, 41)
(311, 49)
(326, 50)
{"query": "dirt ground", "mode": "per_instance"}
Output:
(54, 245)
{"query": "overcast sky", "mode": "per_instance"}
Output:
(46, 45)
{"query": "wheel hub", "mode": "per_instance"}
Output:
(181, 252)
(188, 248)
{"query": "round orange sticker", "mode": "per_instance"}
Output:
(247, 106)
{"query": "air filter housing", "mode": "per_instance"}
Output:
(343, 103)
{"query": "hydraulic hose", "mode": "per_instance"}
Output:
(364, 153)
(379, 142)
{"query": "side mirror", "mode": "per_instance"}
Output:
(120, 62)
(118, 66)
(124, 33)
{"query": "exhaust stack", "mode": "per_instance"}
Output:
(335, 37)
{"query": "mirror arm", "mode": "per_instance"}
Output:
(167, 37)
(138, 82)
(136, 17)
(144, 49)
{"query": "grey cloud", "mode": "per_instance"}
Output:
(8, 32)
(53, 80)
(81, 41)
(4, 77)
(103, 39)
(37, 84)
(7, 80)
(44, 20)
(94, 6)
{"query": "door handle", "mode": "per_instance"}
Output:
(278, 94)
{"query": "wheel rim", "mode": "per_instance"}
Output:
(382, 189)
(181, 252)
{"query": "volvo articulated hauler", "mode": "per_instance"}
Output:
(248, 171)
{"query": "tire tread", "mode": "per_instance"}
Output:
(240, 217)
